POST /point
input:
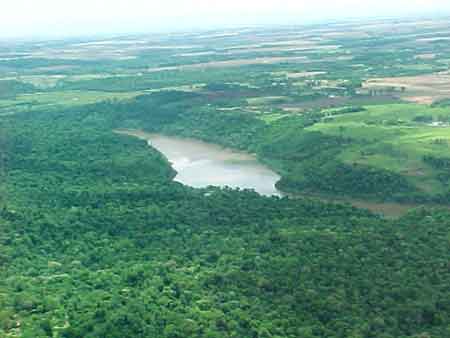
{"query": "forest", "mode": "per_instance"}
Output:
(97, 241)
(307, 159)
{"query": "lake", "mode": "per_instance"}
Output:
(200, 164)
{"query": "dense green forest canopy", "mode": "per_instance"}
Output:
(97, 241)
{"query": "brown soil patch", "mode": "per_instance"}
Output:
(420, 99)
(424, 89)
(338, 101)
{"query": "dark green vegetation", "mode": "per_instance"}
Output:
(350, 151)
(96, 240)
(321, 105)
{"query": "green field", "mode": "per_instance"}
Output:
(394, 140)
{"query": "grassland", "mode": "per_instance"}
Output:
(390, 137)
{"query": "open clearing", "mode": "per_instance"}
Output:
(424, 89)
(391, 139)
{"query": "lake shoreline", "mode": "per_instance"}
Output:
(387, 209)
(200, 164)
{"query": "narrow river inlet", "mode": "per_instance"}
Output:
(199, 164)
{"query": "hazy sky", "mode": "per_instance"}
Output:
(73, 17)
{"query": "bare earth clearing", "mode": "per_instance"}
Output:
(424, 89)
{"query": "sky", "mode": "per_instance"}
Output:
(41, 18)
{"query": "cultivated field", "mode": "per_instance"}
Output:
(426, 89)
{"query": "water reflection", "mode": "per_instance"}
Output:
(201, 164)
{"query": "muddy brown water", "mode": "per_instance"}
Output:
(199, 164)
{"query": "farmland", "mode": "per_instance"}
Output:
(385, 113)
